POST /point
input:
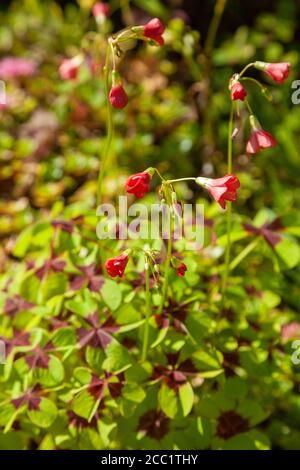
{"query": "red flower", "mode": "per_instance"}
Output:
(100, 10)
(278, 72)
(154, 30)
(238, 92)
(68, 69)
(260, 140)
(138, 184)
(181, 270)
(118, 97)
(116, 266)
(222, 189)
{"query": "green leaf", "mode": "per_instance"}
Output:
(207, 360)
(186, 398)
(45, 415)
(53, 284)
(23, 242)
(30, 288)
(253, 411)
(235, 387)
(51, 376)
(127, 314)
(288, 252)
(162, 333)
(64, 337)
(117, 358)
(83, 375)
(138, 372)
(168, 401)
(106, 427)
(95, 358)
(134, 393)
(81, 307)
(111, 294)
(83, 404)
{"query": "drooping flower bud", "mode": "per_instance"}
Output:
(138, 184)
(259, 138)
(238, 92)
(116, 266)
(154, 30)
(181, 270)
(117, 96)
(279, 72)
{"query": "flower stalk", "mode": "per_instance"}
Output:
(148, 313)
(110, 128)
(229, 211)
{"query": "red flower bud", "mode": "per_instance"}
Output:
(116, 266)
(260, 140)
(181, 270)
(154, 30)
(118, 97)
(238, 92)
(138, 184)
(222, 189)
(68, 69)
(101, 10)
(278, 72)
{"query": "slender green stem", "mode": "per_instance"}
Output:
(264, 90)
(148, 314)
(229, 142)
(160, 176)
(253, 80)
(249, 107)
(208, 142)
(214, 25)
(181, 179)
(229, 212)
(245, 69)
(242, 255)
(167, 263)
(110, 128)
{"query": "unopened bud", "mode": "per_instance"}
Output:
(156, 268)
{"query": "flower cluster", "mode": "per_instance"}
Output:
(259, 139)
(151, 32)
(221, 189)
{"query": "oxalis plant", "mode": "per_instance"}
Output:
(177, 354)
(223, 190)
